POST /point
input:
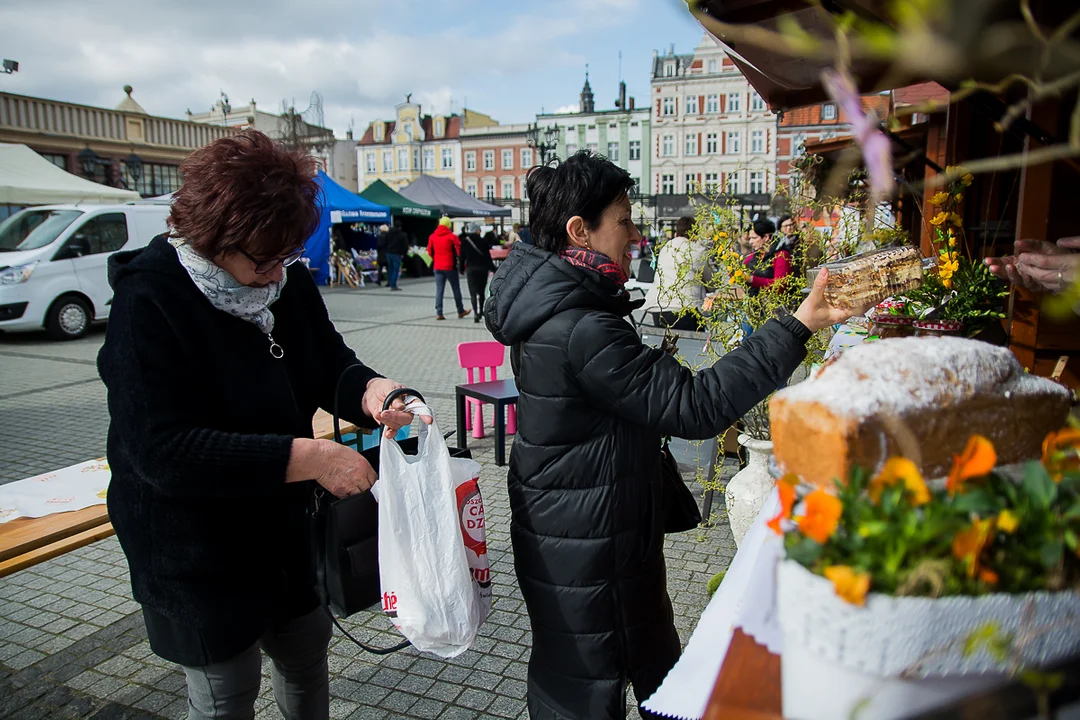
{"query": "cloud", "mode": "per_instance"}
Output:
(567, 109)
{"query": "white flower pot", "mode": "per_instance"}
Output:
(899, 656)
(747, 491)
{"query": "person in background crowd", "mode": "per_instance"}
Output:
(788, 235)
(1039, 265)
(745, 247)
(526, 235)
(768, 262)
(682, 270)
(218, 352)
(513, 237)
(380, 254)
(397, 246)
(476, 254)
(584, 477)
(445, 249)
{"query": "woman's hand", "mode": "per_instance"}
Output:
(816, 313)
(396, 417)
(338, 468)
(1039, 265)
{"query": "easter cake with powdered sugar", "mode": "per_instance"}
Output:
(924, 396)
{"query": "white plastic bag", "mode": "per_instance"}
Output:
(433, 564)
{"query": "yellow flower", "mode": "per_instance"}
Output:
(952, 238)
(721, 234)
(850, 585)
(956, 219)
(940, 198)
(978, 459)
(896, 470)
(947, 282)
(967, 179)
(822, 516)
(939, 218)
(968, 545)
(959, 196)
(1007, 522)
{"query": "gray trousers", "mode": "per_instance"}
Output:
(300, 677)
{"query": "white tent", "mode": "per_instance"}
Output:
(26, 178)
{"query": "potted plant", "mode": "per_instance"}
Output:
(897, 595)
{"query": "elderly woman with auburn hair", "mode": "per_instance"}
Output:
(218, 353)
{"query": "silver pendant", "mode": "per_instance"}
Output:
(276, 350)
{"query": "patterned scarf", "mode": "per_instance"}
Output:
(595, 261)
(225, 292)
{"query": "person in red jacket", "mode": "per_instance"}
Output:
(444, 247)
(770, 261)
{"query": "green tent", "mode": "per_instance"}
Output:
(400, 206)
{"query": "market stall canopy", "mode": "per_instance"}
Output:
(446, 197)
(381, 193)
(26, 178)
(346, 206)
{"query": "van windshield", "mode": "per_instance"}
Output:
(33, 229)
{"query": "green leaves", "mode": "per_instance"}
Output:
(1039, 486)
(977, 502)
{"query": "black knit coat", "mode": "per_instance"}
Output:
(594, 403)
(202, 419)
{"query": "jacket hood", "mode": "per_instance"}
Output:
(443, 231)
(533, 285)
(158, 257)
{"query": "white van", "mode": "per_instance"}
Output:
(53, 262)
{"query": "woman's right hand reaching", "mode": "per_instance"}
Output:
(338, 468)
(816, 313)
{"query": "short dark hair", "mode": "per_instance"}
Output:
(764, 227)
(584, 184)
(683, 225)
(246, 192)
(783, 219)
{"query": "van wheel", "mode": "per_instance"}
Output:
(69, 318)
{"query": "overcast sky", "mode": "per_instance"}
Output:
(507, 58)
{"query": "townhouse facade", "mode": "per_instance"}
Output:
(496, 159)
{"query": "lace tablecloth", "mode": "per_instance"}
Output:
(71, 488)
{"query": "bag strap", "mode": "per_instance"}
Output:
(320, 573)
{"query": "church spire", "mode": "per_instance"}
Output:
(588, 103)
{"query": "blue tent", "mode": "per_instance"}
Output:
(337, 204)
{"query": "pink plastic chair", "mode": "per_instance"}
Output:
(480, 357)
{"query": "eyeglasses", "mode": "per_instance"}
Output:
(264, 266)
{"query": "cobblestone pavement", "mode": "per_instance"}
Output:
(72, 643)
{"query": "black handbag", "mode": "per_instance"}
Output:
(678, 506)
(345, 538)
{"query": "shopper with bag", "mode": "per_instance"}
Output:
(219, 350)
(585, 478)
(476, 255)
(445, 250)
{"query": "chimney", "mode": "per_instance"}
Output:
(622, 95)
(631, 103)
(348, 134)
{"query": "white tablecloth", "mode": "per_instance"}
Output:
(71, 488)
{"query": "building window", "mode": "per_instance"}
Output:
(571, 150)
(489, 190)
(377, 133)
(429, 159)
(668, 106)
(733, 102)
(155, 179)
(612, 126)
(691, 145)
(403, 160)
(447, 158)
(691, 105)
(470, 161)
(712, 183)
(691, 183)
(526, 157)
(757, 142)
(667, 184)
(712, 104)
(387, 161)
(59, 161)
(798, 144)
(439, 128)
(756, 103)
(370, 158)
(668, 147)
(733, 184)
(508, 189)
(416, 157)
(613, 151)
(669, 69)
(733, 142)
(524, 185)
(710, 144)
(635, 149)
(489, 159)
(508, 160)
(407, 128)
(470, 187)
(757, 183)
(712, 66)
(592, 148)
(592, 127)
(828, 112)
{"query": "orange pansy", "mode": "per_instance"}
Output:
(978, 459)
(822, 515)
(786, 488)
(896, 470)
(850, 585)
(1061, 452)
(968, 544)
(988, 576)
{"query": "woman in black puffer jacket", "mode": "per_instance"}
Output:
(594, 403)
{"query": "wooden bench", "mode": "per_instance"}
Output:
(28, 541)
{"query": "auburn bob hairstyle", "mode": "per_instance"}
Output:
(246, 192)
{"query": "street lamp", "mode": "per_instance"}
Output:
(9, 66)
(544, 142)
(134, 169)
(88, 162)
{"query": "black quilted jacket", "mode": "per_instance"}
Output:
(594, 403)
